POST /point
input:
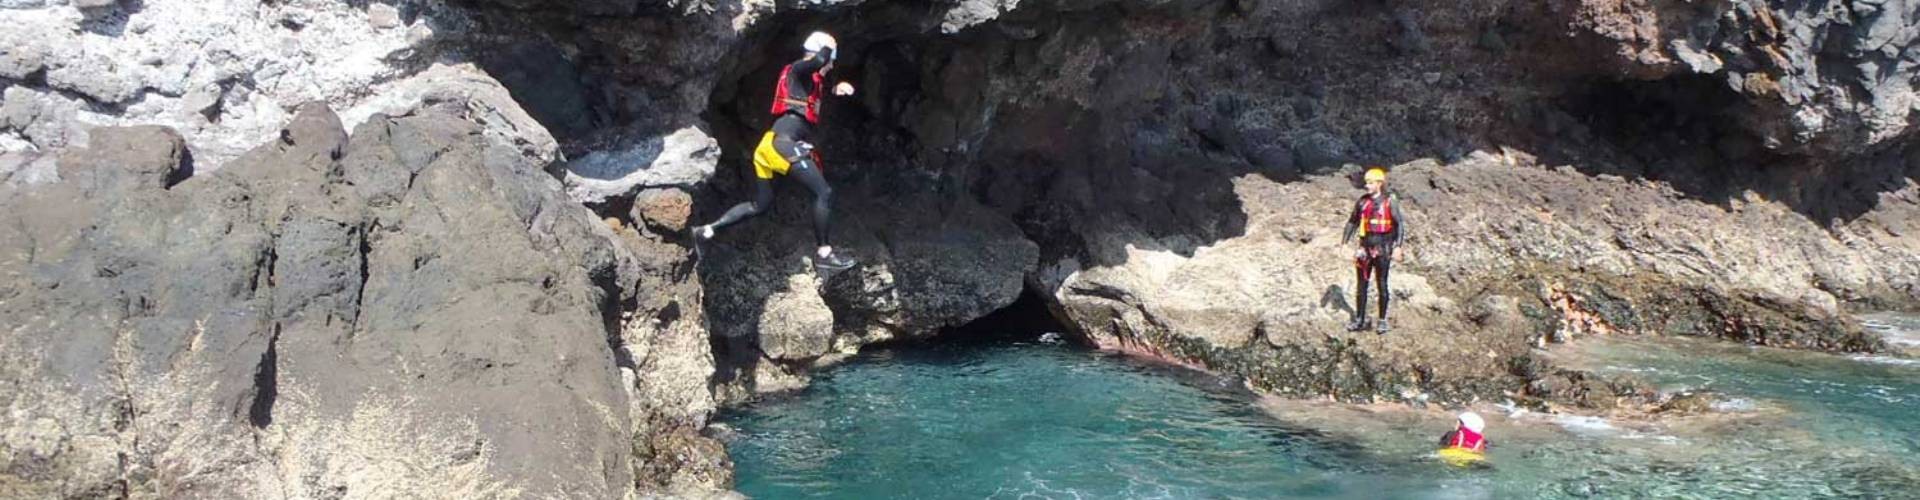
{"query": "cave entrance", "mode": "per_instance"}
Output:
(1027, 318)
(1679, 130)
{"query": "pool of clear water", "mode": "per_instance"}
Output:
(1030, 419)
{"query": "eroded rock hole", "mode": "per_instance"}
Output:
(1698, 135)
(548, 84)
(1027, 318)
(1680, 130)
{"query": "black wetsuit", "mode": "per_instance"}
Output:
(792, 137)
(1378, 252)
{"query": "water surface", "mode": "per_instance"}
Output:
(1025, 419)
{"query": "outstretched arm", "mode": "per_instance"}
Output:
(805, 67)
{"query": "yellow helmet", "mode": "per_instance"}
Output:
(1376, 174)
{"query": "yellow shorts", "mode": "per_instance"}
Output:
(767, 160)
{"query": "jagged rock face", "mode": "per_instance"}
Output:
(1182, 166)
(227, 75)
(1820, 77)
(669, 349)
(1169, 175)
(415, 310)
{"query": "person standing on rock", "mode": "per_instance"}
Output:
(1377, 216)
(787, 148)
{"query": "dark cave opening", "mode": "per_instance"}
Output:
(880, 52)
(1677, 130)
(1027, 318)
(1696, 134)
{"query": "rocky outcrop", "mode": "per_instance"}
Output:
(466, 91)
(1169, 176)
(225, 75)
(683, 158)
(1182, 172)
(1475, 290)
(668, 353)
(923, 268)
(1823, 77)
(412, 309)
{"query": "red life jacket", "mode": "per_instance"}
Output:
(781, 101)
(1377, 214)
(1468, 440)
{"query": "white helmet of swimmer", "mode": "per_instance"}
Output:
(821, 40)
(1472, 421)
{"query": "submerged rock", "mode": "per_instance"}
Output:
(1689, 403)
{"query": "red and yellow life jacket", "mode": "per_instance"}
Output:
(1376, 216)
(1468, 440)
(782, 101)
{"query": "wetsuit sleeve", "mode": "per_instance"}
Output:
(1447, 439)
(1353, 221)
(802, 75)
(1399, 220)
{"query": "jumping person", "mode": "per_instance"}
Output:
(1378, 217)
(788, 149)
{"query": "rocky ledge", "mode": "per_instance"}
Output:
(1475, 296)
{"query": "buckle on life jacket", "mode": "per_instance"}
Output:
(797, 103)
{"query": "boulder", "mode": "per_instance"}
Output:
(302, 323)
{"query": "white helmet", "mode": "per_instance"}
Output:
(821, 40)
(1472, 421)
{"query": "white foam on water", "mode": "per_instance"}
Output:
(1586, 426)
(1897, 329)
(1462, 489)
(1885, 360)
(1734, 405)
(1034, 488)
(1662, 439)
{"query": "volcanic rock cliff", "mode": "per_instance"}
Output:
(209, 287)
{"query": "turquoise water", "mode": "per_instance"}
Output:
(1044, 420)
(1823, 424)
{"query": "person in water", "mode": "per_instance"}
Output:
(788, 149)
(1377, 217)
(1466, 437)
